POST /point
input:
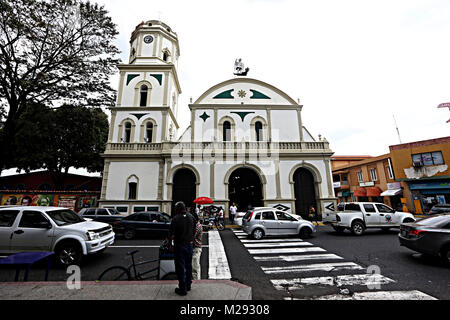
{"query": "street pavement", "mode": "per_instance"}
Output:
(334, 266)
(328, 266)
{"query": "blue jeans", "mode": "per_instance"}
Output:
(183, 265)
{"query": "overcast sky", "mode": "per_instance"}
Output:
(353, 64)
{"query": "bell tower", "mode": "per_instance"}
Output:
(147, 102)
(154, 42)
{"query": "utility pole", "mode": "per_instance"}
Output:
(398, 132)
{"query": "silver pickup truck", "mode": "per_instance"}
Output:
(52, 229)
(358, 216)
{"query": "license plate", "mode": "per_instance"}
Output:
(404, 233)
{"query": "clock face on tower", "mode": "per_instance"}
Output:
(148, 39)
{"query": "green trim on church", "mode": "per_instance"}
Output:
(242, 114)
(204, 116)
(158, 77)
(139, 115)
(131, 77)
(225, 95)
(258, 95)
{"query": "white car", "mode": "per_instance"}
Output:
(52, 229)
(238, 218)
(267, 221)
(358, 216)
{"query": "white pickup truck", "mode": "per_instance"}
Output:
(358, 216)
(52, 229)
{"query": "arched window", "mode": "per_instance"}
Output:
(149, 132)
(143, 96)
(132, 190)
(127, 136)
(259, 131)
(226, 131)
(165, 56)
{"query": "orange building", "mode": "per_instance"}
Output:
(370, 179)
(422, 167)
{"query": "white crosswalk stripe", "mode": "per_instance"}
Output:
(218, 263)
(301, 257)
(271, 240)
(314, 267)
(344, 280)
(377, 295)
(275, 245)
(285, 250)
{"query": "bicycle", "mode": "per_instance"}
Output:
(120, 273)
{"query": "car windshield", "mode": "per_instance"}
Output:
(64, 217)
(436, 221)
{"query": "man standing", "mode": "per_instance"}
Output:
(182, 232)
(233, 210)
(198, 234)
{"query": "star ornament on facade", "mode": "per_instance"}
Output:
(204, 116)
(242, 93)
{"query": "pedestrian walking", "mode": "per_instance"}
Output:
(197, 249)
(221, 216)
(313, 215)
(233, 210)
(182, 232)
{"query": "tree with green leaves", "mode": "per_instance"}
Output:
(52, 52)
(58, 139)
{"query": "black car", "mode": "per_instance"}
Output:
(143, 224)
(107, 215)
(440, 208)
(430, 235)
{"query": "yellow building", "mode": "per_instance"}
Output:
(423, 167)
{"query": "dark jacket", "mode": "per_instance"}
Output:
(182, 228)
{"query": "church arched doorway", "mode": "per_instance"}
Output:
(304, 191)
(245, 189)
(184, 188)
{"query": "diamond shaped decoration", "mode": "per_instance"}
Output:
(204, 116)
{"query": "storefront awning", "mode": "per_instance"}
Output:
(390, 193)
(373, 192)
(360, 192)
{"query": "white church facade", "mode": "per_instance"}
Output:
(246, 142)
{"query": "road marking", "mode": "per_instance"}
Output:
(133, 246)
(272, 245)
(376, 295)
(203, 246)
(285, 250)
(314, 267)
(299, 257)
(344, 280)
(271, 240)
(218, 263)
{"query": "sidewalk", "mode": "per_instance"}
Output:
(125, 290)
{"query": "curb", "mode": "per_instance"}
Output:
(207, 289)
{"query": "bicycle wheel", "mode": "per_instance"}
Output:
(116, 273)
